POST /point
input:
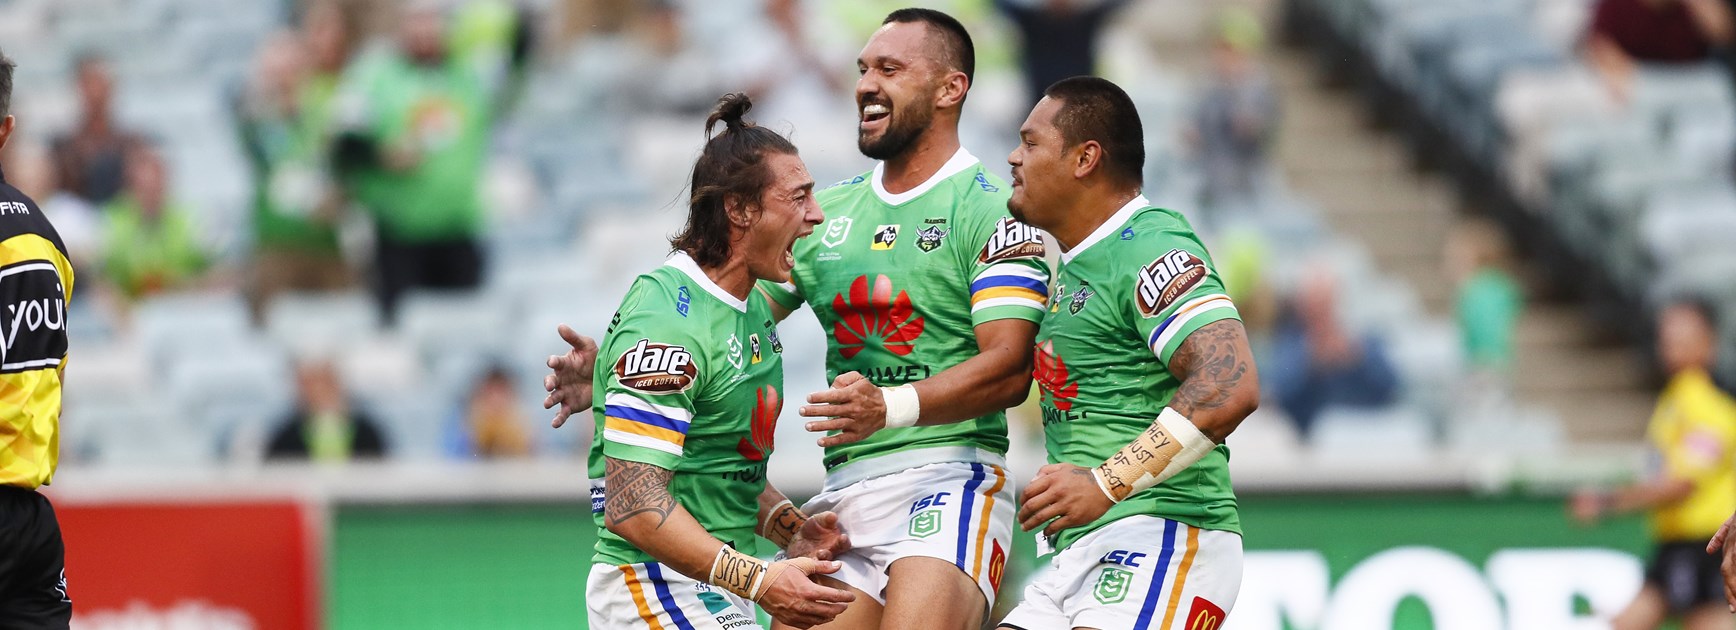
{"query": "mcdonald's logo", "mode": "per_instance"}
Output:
(1204, 615)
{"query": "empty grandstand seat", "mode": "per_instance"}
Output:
(1683, 220)
(452, 321)
(173, 325)
(1396, 432)
(299, 320)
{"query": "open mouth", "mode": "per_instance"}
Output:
(874, 114)
(790, 249)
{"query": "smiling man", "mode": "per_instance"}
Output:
(930, 293)
(1145, 370)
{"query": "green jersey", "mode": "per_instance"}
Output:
(442, 114)
(289, 153)
(1124, 299)
(901, 281)
(687, 380)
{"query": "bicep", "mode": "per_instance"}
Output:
(1003, 334)
(1215, 367)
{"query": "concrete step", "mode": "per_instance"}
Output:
(1601, 417)
(1572, 368)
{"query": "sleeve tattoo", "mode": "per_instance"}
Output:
(633, 488)
(1211, 364)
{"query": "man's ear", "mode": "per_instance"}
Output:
(953, 88)
(1088, 159)
(6, 125)
(737, 211)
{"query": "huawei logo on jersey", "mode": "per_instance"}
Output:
(1011, 240)
(656, 368)
(875, 313)
(1051, 375)
(767, 406)
(1166, 279)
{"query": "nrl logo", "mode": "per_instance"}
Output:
(836, 230)
(1112, 586)
(928, 239)
(735, 352)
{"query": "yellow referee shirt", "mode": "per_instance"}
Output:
(35, 285)
(1694, 431)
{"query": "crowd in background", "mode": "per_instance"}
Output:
(371, 132)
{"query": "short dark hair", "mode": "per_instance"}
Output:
(1093, 108)
(954, 40)
(6, 67)
(732, 163)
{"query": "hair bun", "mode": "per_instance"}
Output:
(730, 109)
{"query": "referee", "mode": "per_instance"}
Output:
(35, 283)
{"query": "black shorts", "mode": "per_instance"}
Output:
(1687, 575)
(32, 563)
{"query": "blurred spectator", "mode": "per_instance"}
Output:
(1693, 487)
(416, 125)
(323, 426)
(1624, 33)
(285, 119)
(492, 424)
(91, 160)
(1622, 38)
(793, 69)
(1060, 38)
(32, 170)
(1236, 118)
(149, 241)
(1316, 363)
(1489, 299)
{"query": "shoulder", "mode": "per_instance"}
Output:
(982, 193)
(20, 216)
(844, 187)
(655, 297)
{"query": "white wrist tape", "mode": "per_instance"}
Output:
(1169, 446)
(902, 406)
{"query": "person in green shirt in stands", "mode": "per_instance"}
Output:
(415, 129)
(286, 129)
(149, 242)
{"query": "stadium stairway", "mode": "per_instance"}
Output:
(1363, 181)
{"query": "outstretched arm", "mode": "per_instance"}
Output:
(998, 377)
(1219, 388)
(638, 508)
(569, 384)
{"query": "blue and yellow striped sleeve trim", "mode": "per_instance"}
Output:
(632, 421)
(1023, 288)
(1190, 316)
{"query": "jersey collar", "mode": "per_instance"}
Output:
(1116, 220)
(685, 264)
(959, 161)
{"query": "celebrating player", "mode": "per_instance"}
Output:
(1144, 369)
(686, 405)
(931, 293)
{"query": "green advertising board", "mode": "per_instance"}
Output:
(1314, 561)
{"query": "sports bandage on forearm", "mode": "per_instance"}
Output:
(902, 406)
(740, 573)
(782, 523)
(1168, 446)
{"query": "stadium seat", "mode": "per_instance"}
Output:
(298, 320)
(1393, 433)
(436, 322)
(171, 326)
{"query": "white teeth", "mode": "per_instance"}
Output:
(870, 110)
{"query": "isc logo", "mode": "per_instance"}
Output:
(1122, 557)
(656, 368)
(1166, 279)
(934, 500)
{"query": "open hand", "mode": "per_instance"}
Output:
(570, 384)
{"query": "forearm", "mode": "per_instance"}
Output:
(778, 518)
(991, 381)
(1608, 58)
(1648, 495)
(639, 509)
(1714, 19)
(1219, 388)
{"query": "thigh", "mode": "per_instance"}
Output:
(455, 265)
(32, 562)
(862, 614)
(1645, 612)
(1148, 573)
(647, 595)
(924, 592)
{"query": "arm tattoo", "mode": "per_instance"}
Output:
(633, 488)
(1211, 364)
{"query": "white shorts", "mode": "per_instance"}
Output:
(955, 511)
(1138, 573)
(649, 595)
